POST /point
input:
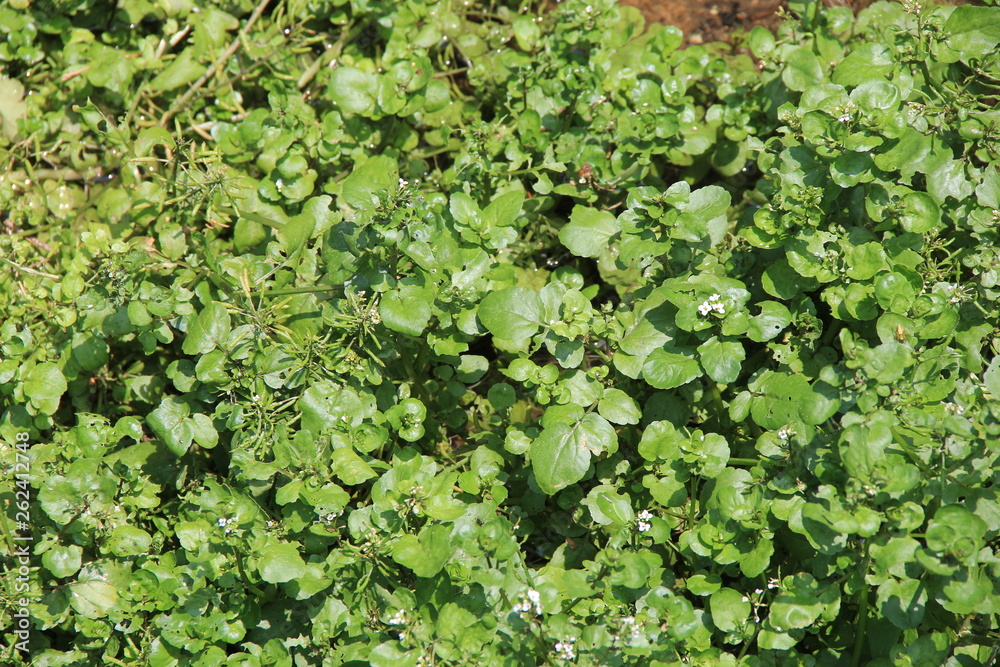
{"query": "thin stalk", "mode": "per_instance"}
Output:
(33, 272)
(744, 462)
(179, 106)
(862, 623)
(302, 290)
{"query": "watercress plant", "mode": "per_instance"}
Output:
(397, 333)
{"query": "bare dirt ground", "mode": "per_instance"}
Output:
(715, 20)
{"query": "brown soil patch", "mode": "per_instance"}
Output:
(715, 20)
(709, 21)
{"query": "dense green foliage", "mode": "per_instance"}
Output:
(404, 332)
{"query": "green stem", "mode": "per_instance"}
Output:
(24, 269)
(7, 532)
(302, 290)
(744, 462)
(32, 232)
(243, 575)
(748, 644)
(693, 510)
(862, 622)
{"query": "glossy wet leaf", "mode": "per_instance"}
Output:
(666, 370)
(280, 563)
(561, 454)
(589, 232)
(512, 313)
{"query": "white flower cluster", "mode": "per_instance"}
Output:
(566, 650)
(399, 618)
(954, 408)
(845, 117)
(714, 303)
(785, 434)
(958, 293)
(532, 600)
(413, 502)
(330, 517)
(225, 523)
(644, 516)
(628, 623)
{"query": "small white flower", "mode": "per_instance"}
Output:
(566, 650)
(957, 293)
(783, 434)
(845, 118)
(643, 524)
(399, 618)
(714, 303)
(532, 600)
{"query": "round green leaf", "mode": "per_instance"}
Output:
(902, 602)
(353, 91)
(427, 553)
(279, 563)
(169, 422)
(512, 313)
(777, 397)
(876, 95)
(722, 360)
(919, 212)
(210, 330)
(772, 319)
(608, 507)
(865, 62)
(43, 386)
(128, 541)
(954, 529)
(619, 408)
(406, 310)
(802, 70)
(589, 231)
(730, 609)
(660, 441)
(560, 455)
(93, 599)
(63, 561)
(666, 370)
(502, 396)
(894, 292)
